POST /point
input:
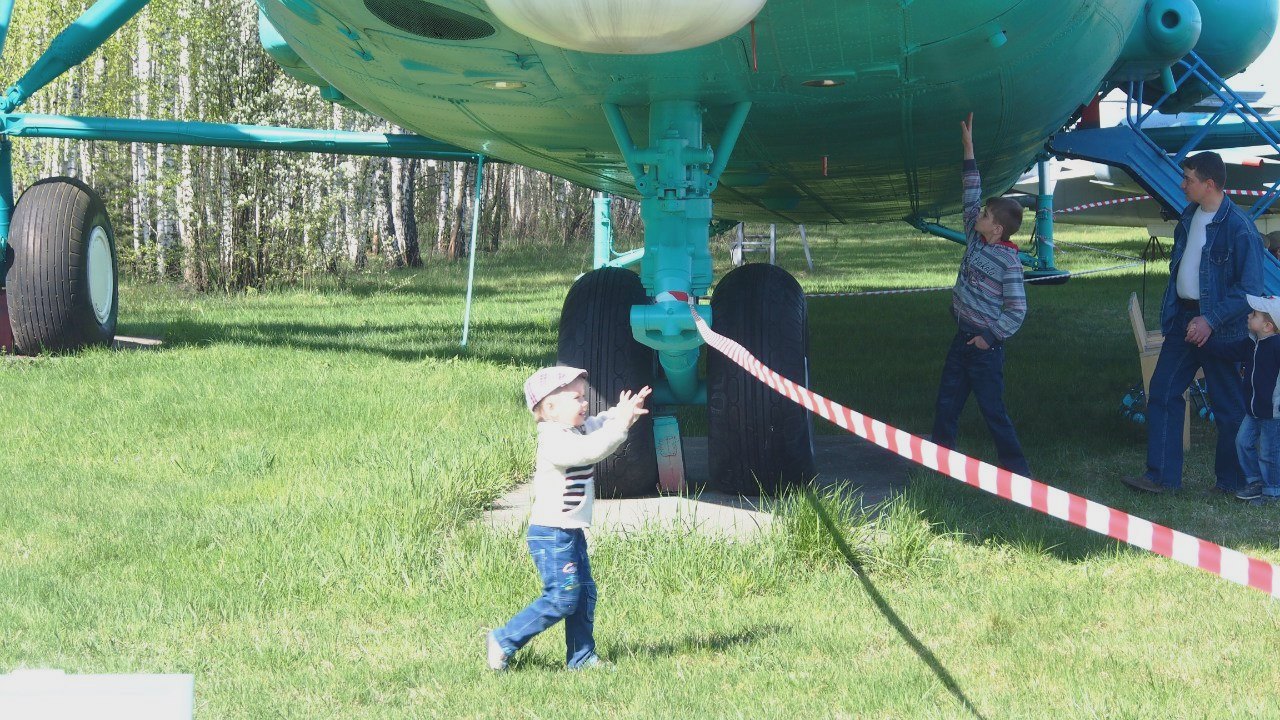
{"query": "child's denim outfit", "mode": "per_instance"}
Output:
(568, 593)
(1258, 441)
(563, 492)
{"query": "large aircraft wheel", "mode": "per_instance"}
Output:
(62, 288)
(757, 440)
(595, 334)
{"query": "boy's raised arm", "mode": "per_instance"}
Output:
(971, 182)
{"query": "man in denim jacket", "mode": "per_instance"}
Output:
(1216, 262)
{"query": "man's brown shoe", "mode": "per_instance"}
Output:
(1143, 483)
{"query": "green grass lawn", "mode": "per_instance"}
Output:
(280, 501)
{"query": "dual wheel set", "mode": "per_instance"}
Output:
(758, 441)
(61, 289)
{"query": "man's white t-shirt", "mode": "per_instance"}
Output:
(1189, 269)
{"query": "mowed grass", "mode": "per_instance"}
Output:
(282, 499)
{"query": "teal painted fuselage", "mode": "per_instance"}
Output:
(855, 103)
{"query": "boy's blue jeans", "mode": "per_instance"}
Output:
(1175, 370)
(568, 593)
(1258, 445)
(971, 369)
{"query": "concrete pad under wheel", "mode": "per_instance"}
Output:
(858, 465)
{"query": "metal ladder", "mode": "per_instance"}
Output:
(760, 242)
(1153, 156)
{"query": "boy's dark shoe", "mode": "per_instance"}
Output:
(1145, 484)
(1265, 500)
(1252, 491)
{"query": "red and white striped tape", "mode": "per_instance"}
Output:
(1102, 203)
(1136, 198)
(903, 291)
(1186, 549)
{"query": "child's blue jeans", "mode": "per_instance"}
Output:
(969, 369)
(568, 593)
(1258, 445)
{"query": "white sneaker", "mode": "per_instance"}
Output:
(497, 656)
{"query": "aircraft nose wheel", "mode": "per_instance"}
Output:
(63, 290)
(595, 335)
(757, 440)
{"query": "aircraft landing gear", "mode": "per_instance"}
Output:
(62, 288)
(595, 335)
(757, 440)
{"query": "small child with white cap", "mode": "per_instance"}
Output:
(1258, 442)
(569, 446)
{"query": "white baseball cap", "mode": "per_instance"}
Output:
(1269, 304)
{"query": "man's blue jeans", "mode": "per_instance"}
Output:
(1175, 370)
(1258, 447)
(970, 369)
(568, 593)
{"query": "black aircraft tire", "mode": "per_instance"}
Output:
(63, 289)
(758, 441)
(595, 335)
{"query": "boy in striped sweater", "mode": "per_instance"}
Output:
(569, 446)
(989, 303)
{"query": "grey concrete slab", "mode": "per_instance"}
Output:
(845, 460)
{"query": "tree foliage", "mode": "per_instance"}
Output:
(228, 218)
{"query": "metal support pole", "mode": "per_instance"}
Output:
(6, 205)
(604, 230)
(72, 46)
(937, 230)
(6, 14)
(471, 265)
(6, 197)
(1046, 184)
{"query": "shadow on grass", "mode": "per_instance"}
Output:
(921, 650)
(713, 642)
(694, 643)
(502, 343)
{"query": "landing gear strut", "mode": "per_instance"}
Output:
(756, 444)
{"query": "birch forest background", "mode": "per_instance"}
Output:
(218, 218)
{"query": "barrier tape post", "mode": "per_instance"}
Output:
(1075, 509)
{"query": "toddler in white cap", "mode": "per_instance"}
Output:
(569, 446)
(1258, 441)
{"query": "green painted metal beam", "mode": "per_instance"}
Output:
(72, 46)
(238, 136)
(6, 14)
